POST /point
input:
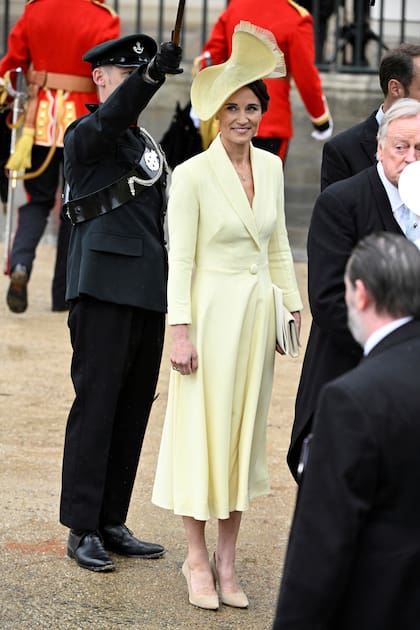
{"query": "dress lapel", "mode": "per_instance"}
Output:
(222, 171)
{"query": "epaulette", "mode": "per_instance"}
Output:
(104, 6)
(301, 10)
(30, 1)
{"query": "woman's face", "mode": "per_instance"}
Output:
(240, 116)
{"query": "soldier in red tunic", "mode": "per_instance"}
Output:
(292, 26)
(48, 42)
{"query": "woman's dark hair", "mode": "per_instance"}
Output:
(260, 90)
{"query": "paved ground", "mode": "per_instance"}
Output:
(40, 588)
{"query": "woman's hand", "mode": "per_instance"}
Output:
(298, 319)
(183, 355)
(279, 349)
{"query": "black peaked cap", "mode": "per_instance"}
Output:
(130, 51)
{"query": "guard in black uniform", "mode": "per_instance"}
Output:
(116, 286)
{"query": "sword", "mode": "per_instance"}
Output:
(18, 108)
(176, 33)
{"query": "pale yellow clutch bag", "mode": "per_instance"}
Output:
(286, 330)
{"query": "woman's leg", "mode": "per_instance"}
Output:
(201, 577)
(225, 553)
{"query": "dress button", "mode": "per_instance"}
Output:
(253, 269)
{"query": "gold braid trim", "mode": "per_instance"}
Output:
(105, 6)
(50, 154)
(301, 10)
(18, 123)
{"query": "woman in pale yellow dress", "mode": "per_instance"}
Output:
(227, 244)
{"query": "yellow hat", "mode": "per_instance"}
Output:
(255, 55)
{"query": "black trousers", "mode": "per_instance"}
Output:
(116, 358)
(32, 221)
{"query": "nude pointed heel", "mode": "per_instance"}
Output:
(238, 599)
(210, 602)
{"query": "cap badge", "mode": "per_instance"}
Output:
(152, 159)
(138, 48)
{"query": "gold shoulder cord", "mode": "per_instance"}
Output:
(104, 6)
(301, 10)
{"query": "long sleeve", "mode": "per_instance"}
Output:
(280, 256)
(183, 217)
(98, 131)
(18, 53)
(301, 65)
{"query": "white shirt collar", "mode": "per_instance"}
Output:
(391, 190)
(380, 114)
(383, 332)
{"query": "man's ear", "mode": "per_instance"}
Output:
(98, 76)
(362, 296)
(395, 88)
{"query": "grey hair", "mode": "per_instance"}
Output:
(389, 266)
(402, 108)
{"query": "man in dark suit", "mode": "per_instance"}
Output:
(354, 149)
(344, 213)
(353, 559)
(116, 286)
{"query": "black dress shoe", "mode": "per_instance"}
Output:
(119, 539)
(17, 294)
(88, 550)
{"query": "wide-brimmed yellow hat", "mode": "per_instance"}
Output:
(255, 55)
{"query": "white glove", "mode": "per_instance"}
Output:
(194, 117)
(323, 135)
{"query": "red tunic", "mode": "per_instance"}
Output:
(52, 36)
(292, 26)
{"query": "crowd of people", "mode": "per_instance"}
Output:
(353, 557)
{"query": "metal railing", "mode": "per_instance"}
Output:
(350, 35)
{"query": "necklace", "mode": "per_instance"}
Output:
(241, 176)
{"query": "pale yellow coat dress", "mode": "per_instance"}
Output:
(223, 257)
